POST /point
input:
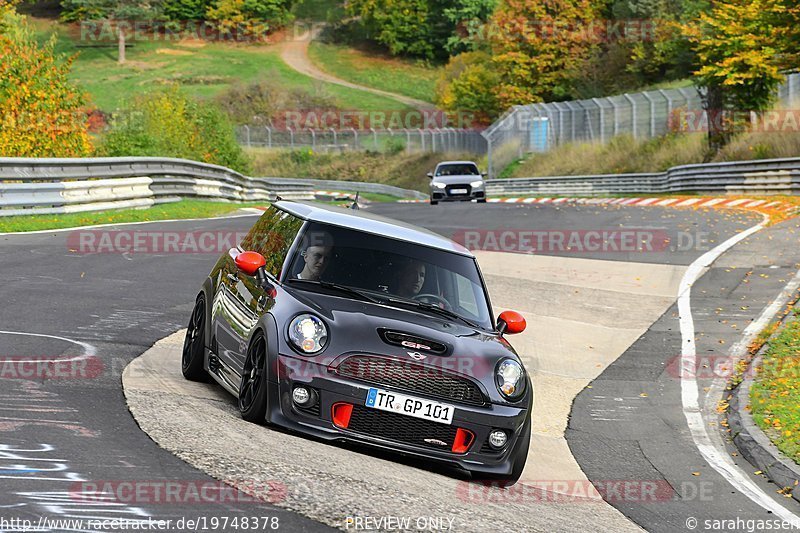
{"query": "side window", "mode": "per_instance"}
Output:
(272, 236)
(466, 295)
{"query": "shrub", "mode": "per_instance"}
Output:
(167, 123)
(41, 112)
(251, 16)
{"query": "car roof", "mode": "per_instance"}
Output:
(361, 220)
(457, 163)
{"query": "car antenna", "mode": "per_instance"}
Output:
(355, 203)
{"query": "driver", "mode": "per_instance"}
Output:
(410, 279)
(316, 250)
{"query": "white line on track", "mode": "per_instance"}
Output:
(690, 394)
(88, 349)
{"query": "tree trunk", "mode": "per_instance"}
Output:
(121, 43)
(718, 133)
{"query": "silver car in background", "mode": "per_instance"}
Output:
(457, 181)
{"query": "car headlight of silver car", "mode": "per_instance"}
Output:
(510, 379)
(477, 183)
(438, 185)
(308, 333)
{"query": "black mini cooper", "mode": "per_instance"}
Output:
(347, 326)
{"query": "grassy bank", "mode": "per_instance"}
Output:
(401, 170)
(775, 394)
(625, 154)
(179, 210)
(377, 70)
(202, 68)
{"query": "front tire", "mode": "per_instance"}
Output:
(481, 200)
(194, 345)
(253, 389)
(434, 202)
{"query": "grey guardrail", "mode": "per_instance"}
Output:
(766, 176)
(47, 186)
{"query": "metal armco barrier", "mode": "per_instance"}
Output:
(51, 186)
(767, 176)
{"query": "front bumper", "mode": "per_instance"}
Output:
(451, 194)
(333, 389)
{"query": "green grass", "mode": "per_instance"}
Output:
(775, 394)
(178, 210)
(203, 69)
(372, 69)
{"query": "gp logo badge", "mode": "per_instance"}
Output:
(415, 346)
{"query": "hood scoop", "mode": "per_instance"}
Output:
(416, 343)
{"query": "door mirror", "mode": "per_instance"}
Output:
(250, 262)
(430, 175)
(484, 174)
(511, 322)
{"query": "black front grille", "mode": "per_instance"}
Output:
(402, 428)
(466, 187)
(411, 377)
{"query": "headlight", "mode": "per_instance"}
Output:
(308, 333)
(510, 379)
(438, 185)
(478, 183)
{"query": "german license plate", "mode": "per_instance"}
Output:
(458, 191)
(409, 405)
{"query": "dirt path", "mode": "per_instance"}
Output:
(294, 53)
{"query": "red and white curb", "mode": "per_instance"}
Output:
(741, 203)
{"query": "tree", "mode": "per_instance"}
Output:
(743, 47)
(41, 112)
(539, 47)
(423, 28)
(118, 12)
(468, 84)
(254, 17)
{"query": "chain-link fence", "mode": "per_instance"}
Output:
(336, 141)
(539, 127)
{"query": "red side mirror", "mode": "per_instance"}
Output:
(250, 262)
(511, 322)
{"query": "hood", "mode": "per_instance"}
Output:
(457, 180)
(359, 327)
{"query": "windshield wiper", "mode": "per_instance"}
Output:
(344, 289)
(434, 309)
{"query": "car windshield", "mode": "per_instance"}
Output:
(459, 169)
(392, 271)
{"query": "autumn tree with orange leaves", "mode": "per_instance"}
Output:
(40, 109)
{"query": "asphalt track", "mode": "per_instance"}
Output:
(55, 433)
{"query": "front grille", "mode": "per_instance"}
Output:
(401, 428)
(467, 186)
(411, 377)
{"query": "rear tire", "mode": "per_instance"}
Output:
(194, 345)
(434, 202)
(253, 388)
